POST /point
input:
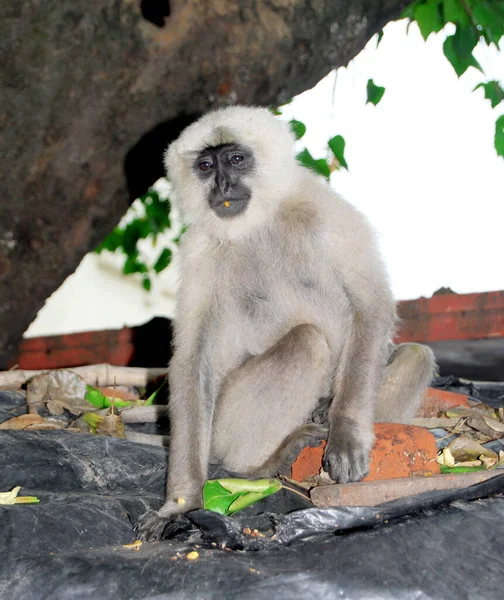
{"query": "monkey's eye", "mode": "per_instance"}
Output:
(236, 159)
(205, 165)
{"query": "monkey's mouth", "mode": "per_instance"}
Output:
(229, 206)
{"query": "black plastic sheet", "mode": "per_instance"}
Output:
(92, 489)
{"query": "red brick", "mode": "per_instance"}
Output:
(398, 451)
(452, 317)
(436, 401)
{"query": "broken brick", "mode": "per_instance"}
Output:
(398, 451)
(436, 401)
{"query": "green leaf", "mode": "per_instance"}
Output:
(490, 18)
(499, 136)
(99, 401)
(93, 420)
(164, 259)
(428, 18)
(112, 242)
(319, 165)
(158, 214)
(455, 12)
(337, 146)
(226, 496)
(493, 92)
(179, 236)
(379, 39)
(134, 231)
(458, 50)
(374, 92)
(297, 128)
(146, 284)
(134, 265)
(445, 469)
(152, 397)
(95, 397)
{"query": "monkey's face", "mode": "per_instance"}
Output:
(232, 169)
(223, 169)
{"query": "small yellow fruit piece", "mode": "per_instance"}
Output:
(226, 204)
(192, 555)
(136, 545)
(181, 501)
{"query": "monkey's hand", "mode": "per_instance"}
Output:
(346, 456)
(164, 523)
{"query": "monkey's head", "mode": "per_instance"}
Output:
(232, 169)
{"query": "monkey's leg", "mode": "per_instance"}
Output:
(268, 399)
(408, 373)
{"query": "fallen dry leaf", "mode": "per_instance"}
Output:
(22, 422)
(109, 424)
(435, 422)
(58, 390)
(463, 449)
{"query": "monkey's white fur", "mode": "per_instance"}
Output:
(272, 144)
(279, 306)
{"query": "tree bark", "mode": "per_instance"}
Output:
(93, 92)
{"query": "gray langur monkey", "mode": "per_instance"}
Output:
(283, 301)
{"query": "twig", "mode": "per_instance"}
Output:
(371, 493)
(148, 438)
(144, 414)
(98, 375)
(305, 496)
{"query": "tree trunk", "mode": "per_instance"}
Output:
(94, 91)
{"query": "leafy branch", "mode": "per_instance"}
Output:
(154, 219)
(475, 21)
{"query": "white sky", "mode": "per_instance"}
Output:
(422, 162)
(422, 167)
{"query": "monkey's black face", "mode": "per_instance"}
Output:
(225, 166)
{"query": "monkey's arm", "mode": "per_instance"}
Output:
(191, 403)
(189, 449)
(351, 415)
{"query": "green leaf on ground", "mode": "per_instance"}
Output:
(99, 401)
(227, 496)
(152, 397)
(445, 469)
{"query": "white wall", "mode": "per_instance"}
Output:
(422, 167)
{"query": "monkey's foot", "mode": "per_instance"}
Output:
(154, 527)
(321, 413)
(346, 456)
(281, 461)
(311, 434)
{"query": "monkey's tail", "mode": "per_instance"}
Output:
(409, 371)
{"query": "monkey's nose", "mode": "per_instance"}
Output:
(223, 185)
